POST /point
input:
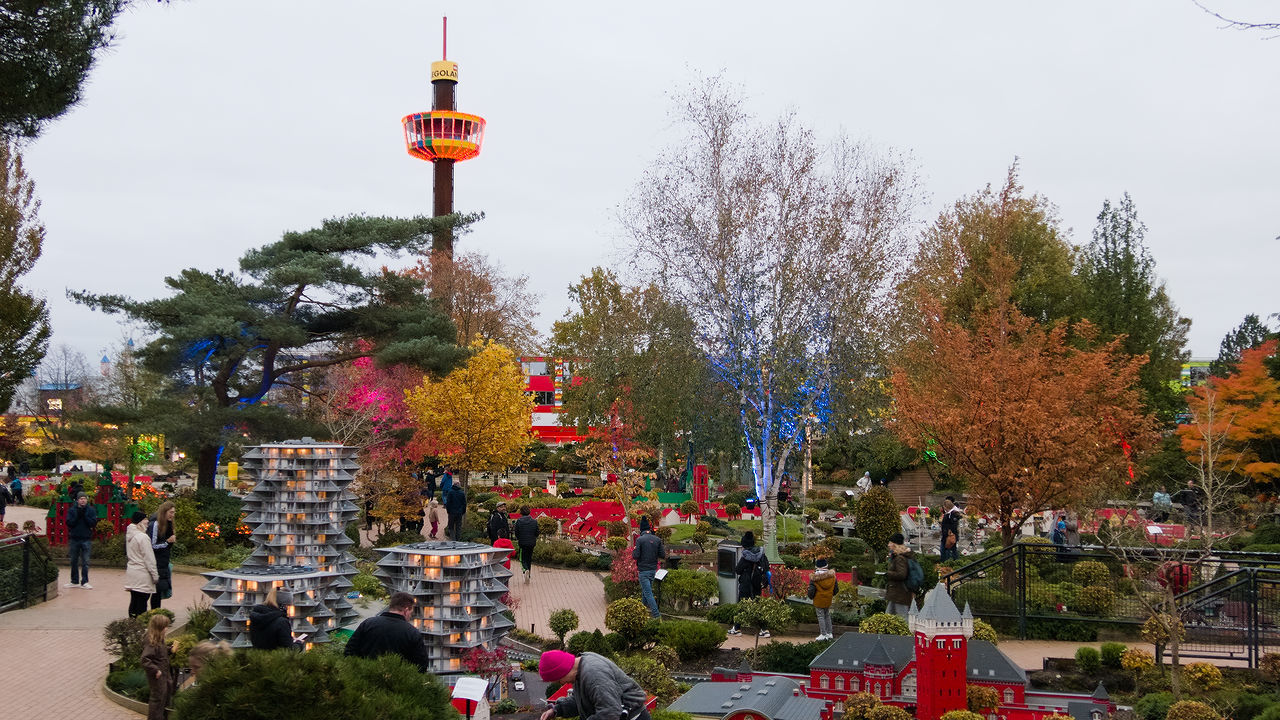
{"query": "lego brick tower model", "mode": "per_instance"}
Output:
(701, 489)
(941, 636)
(458, 587)
(298, 511)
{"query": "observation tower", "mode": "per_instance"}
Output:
(443, 136)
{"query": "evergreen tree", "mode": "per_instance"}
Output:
(1123, 296)
(24, 318)
(46, 50)
(227, 339)
(1249, 334)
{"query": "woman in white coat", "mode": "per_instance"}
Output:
(140, 574)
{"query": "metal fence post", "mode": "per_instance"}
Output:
(26, 571)
(1022, 590)
(1254, 633)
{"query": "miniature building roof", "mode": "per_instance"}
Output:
(939, 606)
(1100, 693)
(801, 708)
(765, 694)
(985, 661)
(878, 655)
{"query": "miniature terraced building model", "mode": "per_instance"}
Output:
(458, 587)
(297, 513)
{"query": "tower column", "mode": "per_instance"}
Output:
(444, 96)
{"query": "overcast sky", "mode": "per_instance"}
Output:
(215, 125)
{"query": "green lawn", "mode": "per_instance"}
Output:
(682, 532)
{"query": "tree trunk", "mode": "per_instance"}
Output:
(1009, 573)
(769, 518)
(207, 467)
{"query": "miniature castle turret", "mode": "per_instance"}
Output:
(942, 635)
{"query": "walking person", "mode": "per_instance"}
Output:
(82, 518)
(163, 536)
(752, 570)
(601, 690)
(140, 573)
(431, 484)
(1161, 504)
(391, 633)
(499, 523)
(949, 542)
(155, 663)
(435, 515)
(4, 501)
(455, 504)
(1190, 498)
(269, 625)
(897, 591)
(822, 589)
(15, 489)
(648, 553)
(526, 532)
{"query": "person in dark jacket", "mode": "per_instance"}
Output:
(601, 690)
(82, 518)
(752, 568)
(499, 523)
(648, 553)
(455, 504)
(526, 537)
(950, 525)
(163, 536)
(431, 484)
(391, 632)
(896, 593)
(269, 625)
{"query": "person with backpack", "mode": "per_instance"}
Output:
(648, 554)
(903, 579)
(950, 526)
(499, 523)
(822, 589)
(526, 531)
(752, 568)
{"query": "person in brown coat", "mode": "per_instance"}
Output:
(896, 593)
(155, 663)
(822, 588)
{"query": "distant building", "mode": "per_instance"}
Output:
(545, 381)
(57, 398)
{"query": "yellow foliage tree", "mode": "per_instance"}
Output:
(477, 415)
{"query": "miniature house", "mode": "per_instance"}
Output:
(458, 587)
(297, 512)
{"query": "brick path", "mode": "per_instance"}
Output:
(53, 651)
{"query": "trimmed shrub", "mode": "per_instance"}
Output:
(1137, 660)
(1269, 666)
(1112, 652)
(627, 617)
(1156, 629)
(1249, 706)
(256, 685)
(893, 712)
(857, 706)
(1095, 600)
(691, 638)
(1153, 706)
(1089, 660)
(982, 630)
(562, 622)
(981, 697)
(884, 624)
(1202, 676)
(1090, 572)
(958, 715)
(782, 656)
(983, 597)
(724, 613)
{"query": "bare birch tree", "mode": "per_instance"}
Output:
(784, 251)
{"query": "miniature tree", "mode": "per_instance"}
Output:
(563, 622)
(769, 614)
(981, 697)
(627, 617)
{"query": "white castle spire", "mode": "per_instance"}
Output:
(939, 616)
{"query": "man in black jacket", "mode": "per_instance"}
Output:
(391, 632)
(82, 518)
(499, 523)
(647, 554)
(526, 538)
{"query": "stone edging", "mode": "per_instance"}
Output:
(122, 701)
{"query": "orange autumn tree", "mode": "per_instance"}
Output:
(1032, 421)
(1236, 420)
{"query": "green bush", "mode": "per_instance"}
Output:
(230, 558)
(593, 641)
(1090, 572)
(786, 657)
(1112, 652)
(1192, 710)
(984, 598)
(1154, 706)
(982, 630)
(1249, 706)
(884, 624)
(368, 584)
(876, 518)
(627, 617)
(256, 685)
(691, 638)
(1095, 600)
(722, 613)
(1089, 660)
(201, 617)
(562, 622)
(131, 683)
(505, 706)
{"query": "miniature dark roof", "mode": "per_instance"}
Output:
(765, 695)
(878, 655)
(939, 606)
(1100, 692)
(800, 708)
(985, 661)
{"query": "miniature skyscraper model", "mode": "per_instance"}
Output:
(941, 635)
(458, 587)
(443, 136)
(298, 512)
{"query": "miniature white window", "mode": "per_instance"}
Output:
(839, 683)
(942, 644)
(823, 682)
(855, 684)
(955, 644)
(877, 689)
(1008, 696)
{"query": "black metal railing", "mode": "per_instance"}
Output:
(1229, 602)
(26, 570)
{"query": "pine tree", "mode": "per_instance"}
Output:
(24, 318)
(1123, 296)
(1250, 333)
